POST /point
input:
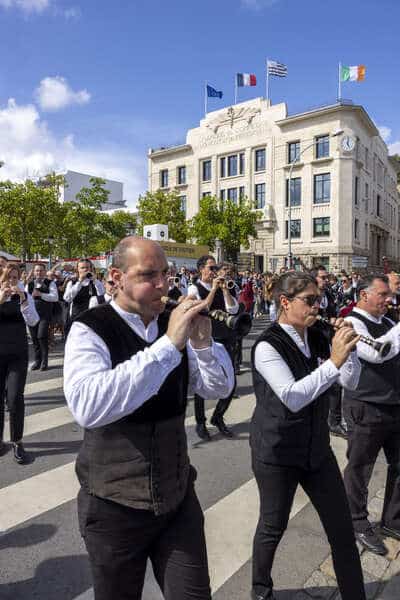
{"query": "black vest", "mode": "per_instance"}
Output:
(277, 435)
(393, 313)
(141, 460)
(13, 338)
(81, 301)
(379, 383)
(43, 307)
(220, 332)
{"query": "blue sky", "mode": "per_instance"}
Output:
(92, 85)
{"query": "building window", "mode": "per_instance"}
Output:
(295, 191)
(356, 187)
(232, 165)
(241, 193)
(322, 146)
(356, 229)
(232, 194)
(164, 178)
(366, 159)
(241, 163)
(181, 175)
(260, 159)
(322, 188)
(378, 205)
(222, 195)
(293, 151)
(206, 170)
(295, 228)
(183, 203)
(366, 235)
(259, 195)
(222, 163)
(321, 226)
(205, 194)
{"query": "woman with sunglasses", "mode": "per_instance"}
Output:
(293, 367)
(17, 310)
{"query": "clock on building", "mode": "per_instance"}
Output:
(348, 143)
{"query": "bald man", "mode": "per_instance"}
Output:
(128, 368)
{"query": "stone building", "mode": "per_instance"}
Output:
(345, 204)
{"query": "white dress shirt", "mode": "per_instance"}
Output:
(298, 394)
(97, 394)
(28, 310)
(52, 296)
(72, 289)
(193, 291)
(367, 352)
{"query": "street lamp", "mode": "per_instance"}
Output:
(296, 160)
(50, 240)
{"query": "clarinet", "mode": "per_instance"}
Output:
(382, 348)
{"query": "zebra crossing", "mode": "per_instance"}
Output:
(42, 499)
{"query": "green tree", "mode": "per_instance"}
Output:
(166, 209)
(114, 227)
(29, 215)
(232, 223)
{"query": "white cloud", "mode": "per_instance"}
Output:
(28, 6)
(385, 133)
(73, 12)
(394, 148)
(258, 4)
(30, 149)
(54, 93)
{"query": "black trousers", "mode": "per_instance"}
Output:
(222, 404)
(335, 404)
(40, 340)
(372, 428)
(324, 486)
(120, 540)
(13, 371)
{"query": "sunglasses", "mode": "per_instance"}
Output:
(110, 282)
(309, 300)
(214, 268)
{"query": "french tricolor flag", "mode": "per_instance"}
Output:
(245, 79)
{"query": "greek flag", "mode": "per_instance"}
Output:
(276, 69)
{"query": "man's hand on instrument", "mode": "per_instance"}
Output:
(182, 323)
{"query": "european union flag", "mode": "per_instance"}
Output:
(213, 93)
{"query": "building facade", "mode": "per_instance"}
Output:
(343, 184)
(75, 181)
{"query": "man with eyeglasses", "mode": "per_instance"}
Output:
(372, 414)
(213, 288)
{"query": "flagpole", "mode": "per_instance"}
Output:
(235, 89)
(267, 84)
(205, 99)
(340, 83)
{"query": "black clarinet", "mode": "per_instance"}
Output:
(382, 348)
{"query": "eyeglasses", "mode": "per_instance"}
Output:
(213, 268)
(309, 300)
(110, 282)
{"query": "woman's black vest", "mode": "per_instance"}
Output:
(141, 460)
(43, 307)
(277, 435)
(13, 338)
(379, 383)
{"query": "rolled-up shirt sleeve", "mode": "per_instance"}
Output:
(211, 373)
(350, 372)
(52, 296)
(96, 393)
(72, 290)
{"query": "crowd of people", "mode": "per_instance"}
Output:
(139, 341)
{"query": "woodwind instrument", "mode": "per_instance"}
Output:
(383, 348)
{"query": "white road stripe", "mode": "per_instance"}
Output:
(47, 419)
(43, 386)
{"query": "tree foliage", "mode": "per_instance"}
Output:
(232, 223)
(164, 208)
(33, 221)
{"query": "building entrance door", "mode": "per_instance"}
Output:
(259, 263)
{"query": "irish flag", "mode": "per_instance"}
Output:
(245, 79)
(356, 73)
